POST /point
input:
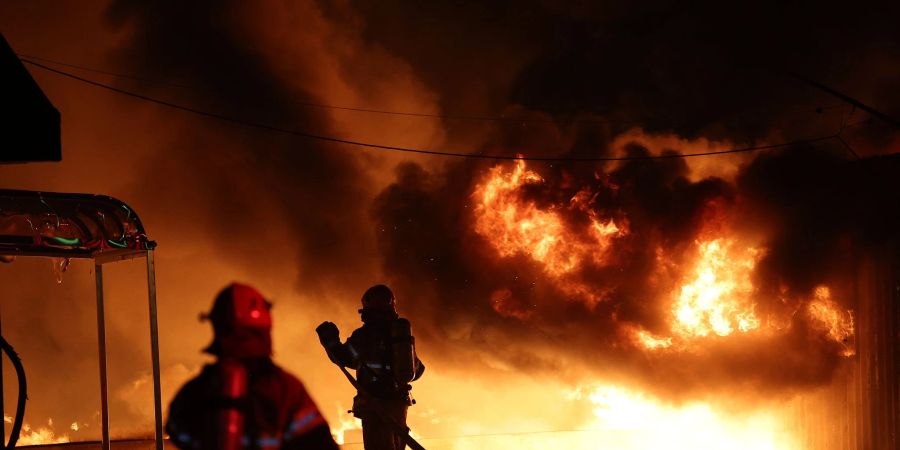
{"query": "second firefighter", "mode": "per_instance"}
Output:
(383, 353)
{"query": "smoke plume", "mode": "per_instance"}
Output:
(592, 288)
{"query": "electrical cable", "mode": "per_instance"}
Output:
(23, 393)
(847, 145)
(469, 117)
(24, 56)
(108, 73)
(337, 140)
(884, 117)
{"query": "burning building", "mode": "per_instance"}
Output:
(601, 289)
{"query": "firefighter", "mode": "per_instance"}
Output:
(383, 354)
(244, 400)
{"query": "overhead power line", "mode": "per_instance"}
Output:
(324, 138)
(468, 117)
(465, 117)
(108, 73)
(884, 117)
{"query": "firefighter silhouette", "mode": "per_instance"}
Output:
(244, 400)
(383, 353)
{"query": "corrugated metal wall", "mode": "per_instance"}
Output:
(877, 339)
(860, 409)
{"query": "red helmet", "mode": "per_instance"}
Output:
(379, 298)
(241, 323)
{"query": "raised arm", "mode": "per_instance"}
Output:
(341, 354)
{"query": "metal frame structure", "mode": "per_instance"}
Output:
(98, 228)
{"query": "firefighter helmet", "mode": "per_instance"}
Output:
(379, 298)
(241, 323)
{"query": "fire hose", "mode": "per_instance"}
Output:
(397, 427)
(23, 393)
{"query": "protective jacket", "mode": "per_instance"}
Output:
(275, 410)
(372, 350)
(383, 353)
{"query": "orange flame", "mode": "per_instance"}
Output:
(649, 341)
(827, 315)
(514, 226)
(38, 436)
(716, 298)
(345, 422)
(628, 419)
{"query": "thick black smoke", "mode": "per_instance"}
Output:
(701, 70)
(318, 190)
(289, 208)
(818, 211)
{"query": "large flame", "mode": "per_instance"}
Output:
(631, 420)
(716, 297)
(515, 226)
(713, 297)
(617, 417)
(39, 435)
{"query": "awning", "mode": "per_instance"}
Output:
(95, 227)
(29, 124)
(68, 225)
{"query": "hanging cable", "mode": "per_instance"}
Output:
(336, 140)
(467, 117)
(856, 103)
(23, 393)
(470, 117)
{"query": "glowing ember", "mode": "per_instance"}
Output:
(828, 316)
(717, 296)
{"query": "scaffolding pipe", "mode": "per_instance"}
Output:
(101, 343)
(154, 348)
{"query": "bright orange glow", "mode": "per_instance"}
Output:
(716, 295)
(502, 302)
(514, 226)
(345, 422)
(40, 435)
(723, 166)
(627, 419)
(649, 341)
(828, 316)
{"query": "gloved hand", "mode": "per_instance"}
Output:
(328, 334)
